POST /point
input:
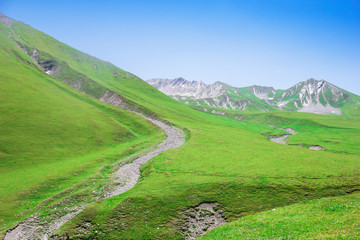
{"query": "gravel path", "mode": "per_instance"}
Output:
(128, 175)
(61, 221)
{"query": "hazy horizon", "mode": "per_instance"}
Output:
(273, 43)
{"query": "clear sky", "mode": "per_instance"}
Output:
(271, 42)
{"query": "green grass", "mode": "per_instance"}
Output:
(49, 132)
(327, 218)
(224, 160)
(336, 134)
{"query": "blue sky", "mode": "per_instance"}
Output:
(273, 43)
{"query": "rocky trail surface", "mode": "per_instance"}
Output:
(128, 175)
(124, 179)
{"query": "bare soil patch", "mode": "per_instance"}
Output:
(201, 219)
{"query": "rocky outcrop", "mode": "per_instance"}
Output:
(316, 147)
(201, 219)
(115, 99)
(35, 55)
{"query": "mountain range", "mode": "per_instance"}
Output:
(314, 96)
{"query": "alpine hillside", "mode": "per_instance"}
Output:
(91, 151)
(314, 96)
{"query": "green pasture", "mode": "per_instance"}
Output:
(326, 218)
(52, 134)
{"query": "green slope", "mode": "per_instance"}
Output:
(224, 160)
(49, 132)
(328, 218)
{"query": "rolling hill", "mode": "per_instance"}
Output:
(52, 136)
(61, 144)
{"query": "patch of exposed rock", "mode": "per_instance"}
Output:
(49, 66)
(218, 112)
(201, 219)
(20, 46)
(114, 99)
(282, 139)
(316, 147)
(115, 74)
(290, 130)
(35, 55)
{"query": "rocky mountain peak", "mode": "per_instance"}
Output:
(315, 81)
(180, 87)
(179, 80)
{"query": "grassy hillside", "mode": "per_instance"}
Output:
(52, 137)
(336, 134)
(327, 218)
(224, 160)
(228, 162)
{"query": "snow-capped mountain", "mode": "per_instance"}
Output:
(183, 88)
(315, 96)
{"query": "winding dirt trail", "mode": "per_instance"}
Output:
(128, 175)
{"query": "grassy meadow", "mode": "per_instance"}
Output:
(60, 137)
(229, 162)
(326, 218)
